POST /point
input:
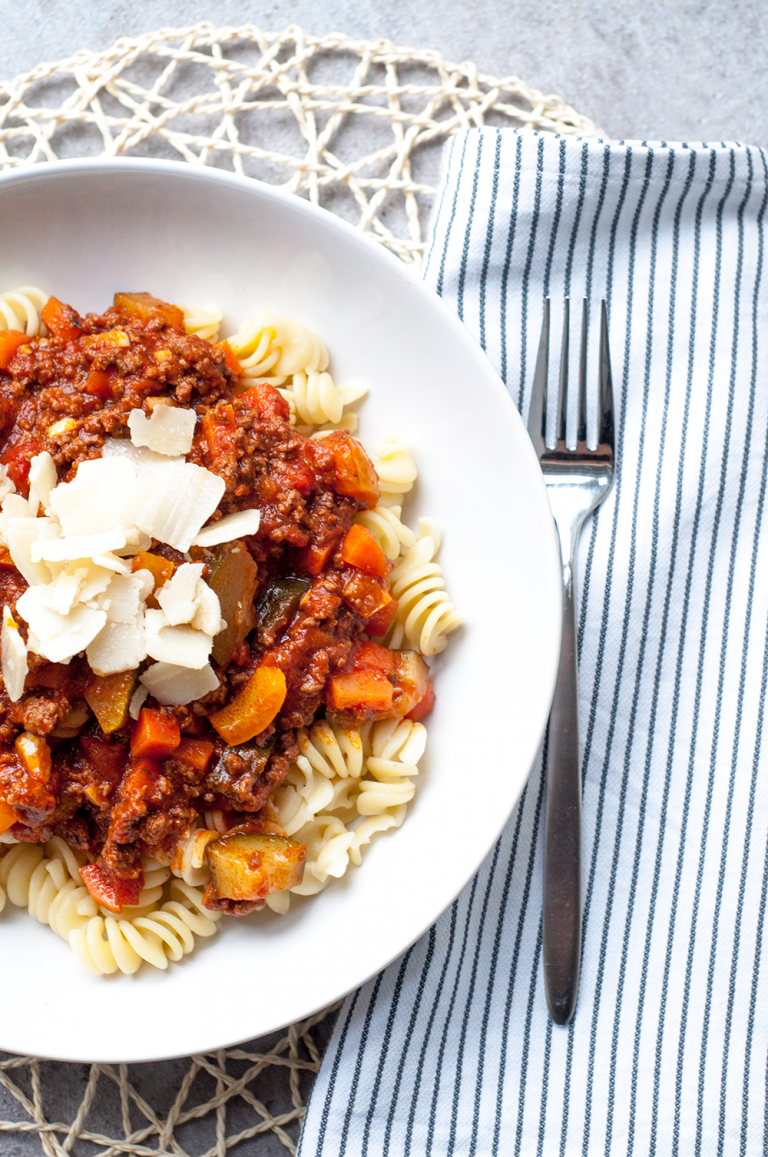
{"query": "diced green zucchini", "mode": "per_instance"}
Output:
(232, 574)
(249, 867)
(109, 697)
(277, 606)
(238, 768)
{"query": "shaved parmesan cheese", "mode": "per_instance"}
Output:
(173, 686)
(97, 499)
(15, 665)
(59, 637)
(64, 591)
(227, 529)
(42, 478)
(175, 499)
(81, 546)
(208, 614)
(169, 430)
(117, 647)
(124, 448)
(14, 506)
(121, 600)
(22, 534)
(111, 562)
(147, 583)
(6, 483)
(183, 646)
(137, 701)
(177, 596)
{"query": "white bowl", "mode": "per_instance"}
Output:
(82, 230)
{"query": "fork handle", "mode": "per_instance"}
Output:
(562, 830)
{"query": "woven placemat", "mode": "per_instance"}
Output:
(355, 126)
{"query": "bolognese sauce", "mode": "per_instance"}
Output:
(303, 601)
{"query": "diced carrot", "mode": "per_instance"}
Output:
(424, 706)
(254, 708)
(365, 593)
(141, 306)
(100, 384)
(195, 753)
(312, 559)
(232, 363)
(161, 569)
(382, 620)
(220, 430)
(355, 475)
(10, 340)
(370, 690)
(109, 890)
(61, 320)
(361, 549)
(266, 401)
(8, 816)
(156, 735)
(374, 657)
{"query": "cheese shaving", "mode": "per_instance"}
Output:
(15, 664)
(169, 429)
(174, 686)
(230, 527)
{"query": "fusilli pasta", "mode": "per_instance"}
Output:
(203, 322)
(20, 309)
(425, 615)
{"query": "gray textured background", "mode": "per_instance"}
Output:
(648, 69)
(684, 71)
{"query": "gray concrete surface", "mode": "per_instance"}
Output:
(677, 71)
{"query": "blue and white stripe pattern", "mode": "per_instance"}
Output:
(450, 1050)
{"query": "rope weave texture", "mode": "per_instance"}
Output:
(356, 127)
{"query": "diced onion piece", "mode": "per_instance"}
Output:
(15, 665)
(172, 685)
(229, 528)
(183, 646)
(59, 637)
(42, 477)
(81, 546)
(174, 499)
(169, 429)
(117, 647)
(177, 596)
(97, 499)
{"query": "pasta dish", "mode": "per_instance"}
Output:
(215, 623)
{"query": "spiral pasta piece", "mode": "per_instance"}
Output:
(202, 322)
(188, 861)
(273, 349)
(395, 467)
(20, 309)
(425, 615)
(332, 749)
(385, 524)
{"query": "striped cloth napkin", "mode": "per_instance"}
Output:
(450, 1050)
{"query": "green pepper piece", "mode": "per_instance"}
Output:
(277, 606)
(233, 575)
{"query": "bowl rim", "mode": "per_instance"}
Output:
(74, 167)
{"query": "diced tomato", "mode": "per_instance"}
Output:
(266, 401)
(361, 549)
(8, 816)
(100, 384)
(107, 758)
(382, 620)
(156, 735)
(220, 430)
(295, 475)
(232, 363)
(312, 559)
(109, 890)
(370, 691)
(195, 753)
(254, 708)
(365, 593)
(61, 320)
(424, 706)
(355, 475)
(10, 340)
(18, 458)
(373, 657)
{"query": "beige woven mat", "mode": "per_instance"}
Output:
(357, 127)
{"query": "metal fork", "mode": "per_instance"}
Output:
(577, 481)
